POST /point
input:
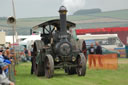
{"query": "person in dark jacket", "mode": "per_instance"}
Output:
(99, 53)
(26, 53)
(91, 49)
(91, 55)
(32, 53)
(98, 48)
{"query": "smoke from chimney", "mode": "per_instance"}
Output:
(73, 5)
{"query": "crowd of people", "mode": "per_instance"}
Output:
(25, 55)
(6, 57)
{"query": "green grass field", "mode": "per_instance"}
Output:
(93, 77)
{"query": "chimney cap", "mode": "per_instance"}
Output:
(62, 9)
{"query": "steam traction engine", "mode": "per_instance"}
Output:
(57, 48)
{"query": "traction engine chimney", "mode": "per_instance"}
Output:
(63, 23)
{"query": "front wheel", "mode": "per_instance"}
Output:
(81, 69)
(49, 66)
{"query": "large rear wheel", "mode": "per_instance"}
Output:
(49, 66)
(81, 69)
(37, 61)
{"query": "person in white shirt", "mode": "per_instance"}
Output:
(3, 78)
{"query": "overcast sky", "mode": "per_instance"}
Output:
(43, 8)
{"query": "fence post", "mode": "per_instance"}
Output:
(11, 72)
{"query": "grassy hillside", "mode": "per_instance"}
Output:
(105, 19)
(120, 14)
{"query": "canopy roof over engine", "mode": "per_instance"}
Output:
(55, 23)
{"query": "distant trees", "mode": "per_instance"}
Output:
(87, 11)
(3, 18)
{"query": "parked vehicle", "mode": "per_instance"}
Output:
(109, 41)
(107, 51)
